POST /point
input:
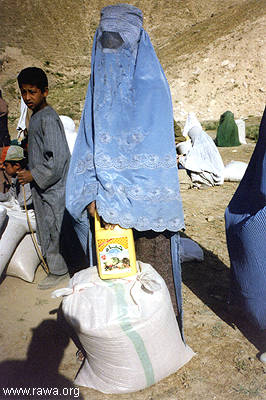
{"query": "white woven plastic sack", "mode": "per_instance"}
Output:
(127, 327)
(24, 261)
(241, 130)
(234, 171)
(70, 131)
(3, 213)
(190, 251)
(13, 232)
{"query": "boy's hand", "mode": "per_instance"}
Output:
(24, 176)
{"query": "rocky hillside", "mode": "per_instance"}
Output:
(213, 52)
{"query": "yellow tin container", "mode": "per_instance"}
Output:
(115, 251)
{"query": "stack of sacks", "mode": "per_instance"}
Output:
(17, 250)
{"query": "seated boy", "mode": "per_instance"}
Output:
(49, 157)
(15, 162)
(14, 227)
(5, 180)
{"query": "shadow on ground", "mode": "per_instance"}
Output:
(38, 374)
(210, 282)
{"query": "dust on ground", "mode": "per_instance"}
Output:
(212, 54)
(226, 364)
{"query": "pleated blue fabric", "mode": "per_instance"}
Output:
(245, 219)
(124, 156)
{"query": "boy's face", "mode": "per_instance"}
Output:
(33, 97)
(11, 169)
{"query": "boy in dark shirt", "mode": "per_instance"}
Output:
(49, 157)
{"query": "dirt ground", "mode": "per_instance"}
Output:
(226, 364)
(212, 54)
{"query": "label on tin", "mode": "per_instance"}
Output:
(114, 255)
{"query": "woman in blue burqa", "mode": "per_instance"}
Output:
(245, 219)
(124, 159)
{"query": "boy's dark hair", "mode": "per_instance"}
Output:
(23, 163)
(33, 76)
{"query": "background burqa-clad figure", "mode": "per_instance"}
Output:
(124, 157)
(245, 220)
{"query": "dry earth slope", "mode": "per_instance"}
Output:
(213, 52)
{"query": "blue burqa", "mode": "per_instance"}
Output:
(245, 219)
(124, 156)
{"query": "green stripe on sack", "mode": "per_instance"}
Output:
(134, 336)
